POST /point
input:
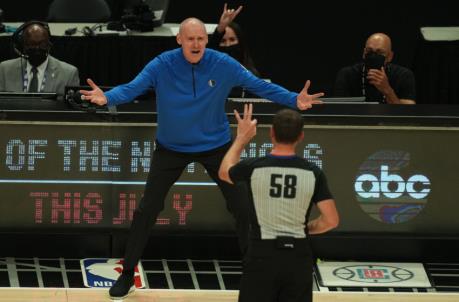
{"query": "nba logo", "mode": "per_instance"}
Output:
(103, 272)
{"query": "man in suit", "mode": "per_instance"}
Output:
(35, 70)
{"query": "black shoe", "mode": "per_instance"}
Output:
(122, 287)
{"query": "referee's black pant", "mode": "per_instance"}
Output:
(166, 167)
(274, 274)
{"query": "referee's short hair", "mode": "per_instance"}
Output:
(287, 126)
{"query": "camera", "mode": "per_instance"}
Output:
(374, 60)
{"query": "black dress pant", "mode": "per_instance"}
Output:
(272, 274)
(166, 168)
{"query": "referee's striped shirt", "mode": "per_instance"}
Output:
(281, 191)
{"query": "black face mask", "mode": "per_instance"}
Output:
(235, 51)
(374, 60)
(36, 56)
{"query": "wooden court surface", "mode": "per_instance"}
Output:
(152, 295)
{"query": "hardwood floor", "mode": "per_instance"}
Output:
(152, 295)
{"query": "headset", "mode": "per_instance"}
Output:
(18, 35)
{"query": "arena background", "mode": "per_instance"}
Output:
(292, 41)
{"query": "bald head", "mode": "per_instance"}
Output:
(379, 39)
(379, 43)
(192, 36)
(191, 23)
(36, 36)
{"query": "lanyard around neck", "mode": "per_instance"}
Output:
(25, 83)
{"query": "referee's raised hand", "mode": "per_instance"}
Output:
(246, 126)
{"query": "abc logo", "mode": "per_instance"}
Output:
(391, 185)
(387, 191)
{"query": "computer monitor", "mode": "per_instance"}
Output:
(329, 100)
(25, 101)
(346, 100)
(28, 95)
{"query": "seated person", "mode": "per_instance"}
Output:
(376, 78)
(35, 70)
(229, 38)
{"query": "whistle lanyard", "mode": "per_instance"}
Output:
(363, 80)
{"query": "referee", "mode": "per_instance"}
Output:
(283, 188)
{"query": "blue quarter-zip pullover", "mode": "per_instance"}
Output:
(190, 98)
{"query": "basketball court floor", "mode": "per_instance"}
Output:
(187, 280)
(151, 295)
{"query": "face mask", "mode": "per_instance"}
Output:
(36, 56)
(235, 51)
(374, 60)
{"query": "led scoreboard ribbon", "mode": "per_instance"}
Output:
(81, 175)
